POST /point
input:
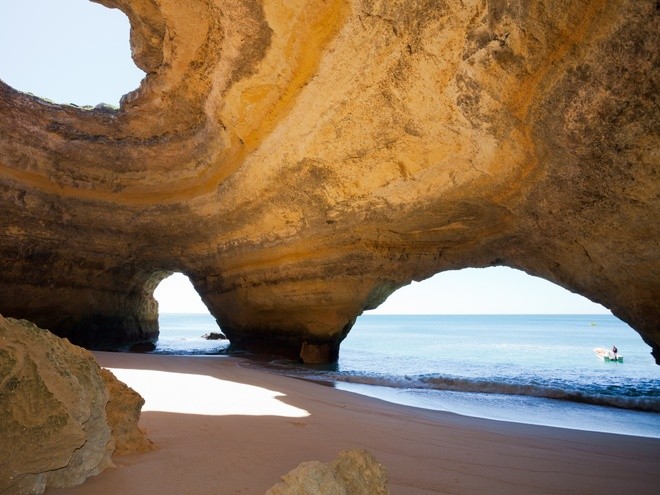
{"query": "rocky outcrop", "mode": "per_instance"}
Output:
(123, 413)
(353, 472)
(300, 161)
(61, 416)
(52, 411)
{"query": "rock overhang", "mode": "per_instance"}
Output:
(299, 162)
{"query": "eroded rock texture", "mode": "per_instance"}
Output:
(301, 160)
(52, 411)
(61, 416)
(353, 472)
(122, 414)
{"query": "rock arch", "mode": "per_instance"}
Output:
(301, 161)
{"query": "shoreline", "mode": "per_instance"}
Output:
(541, 410)
(220, 427)
(550, 412)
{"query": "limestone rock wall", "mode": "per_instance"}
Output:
(301, 160)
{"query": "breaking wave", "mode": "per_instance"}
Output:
(644, 397)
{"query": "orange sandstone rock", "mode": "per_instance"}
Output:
(52, 411)
(301, 160)
(61, 415)
(353, 472)
(123, 413)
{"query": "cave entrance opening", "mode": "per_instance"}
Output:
(67, 52)
(492, 290)
(500, 344)
(185, 323)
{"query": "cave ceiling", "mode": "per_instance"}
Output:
(301, 160)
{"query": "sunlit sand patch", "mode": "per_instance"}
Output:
(186, 393)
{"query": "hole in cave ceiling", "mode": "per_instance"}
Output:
(71, 51)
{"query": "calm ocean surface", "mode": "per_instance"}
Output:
(537, 369)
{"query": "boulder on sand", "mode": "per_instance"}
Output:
(353, 472)
(53, 419)
(52, 411)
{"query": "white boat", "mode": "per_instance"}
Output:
(607, 355)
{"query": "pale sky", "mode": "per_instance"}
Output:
(76, 51)
(496, 290)
(68, 51)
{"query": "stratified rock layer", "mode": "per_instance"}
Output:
(353, 472)
(301, 160)
(52, 411)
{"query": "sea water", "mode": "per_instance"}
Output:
(537, 369)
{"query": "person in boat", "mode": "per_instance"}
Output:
(615, 351)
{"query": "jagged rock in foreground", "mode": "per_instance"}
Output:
(301, 160)
(123, 413)
(52, 411)
(353, 472)
(53, 421)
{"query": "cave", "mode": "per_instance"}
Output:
(300, 173)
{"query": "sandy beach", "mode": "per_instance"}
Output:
(222, 427)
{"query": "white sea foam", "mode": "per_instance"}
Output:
(520, 409)
(435, 382)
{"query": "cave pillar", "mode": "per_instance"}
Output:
(304, 320)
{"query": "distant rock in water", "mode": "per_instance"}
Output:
(214, 336)
(353, 472)
(142, 347)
